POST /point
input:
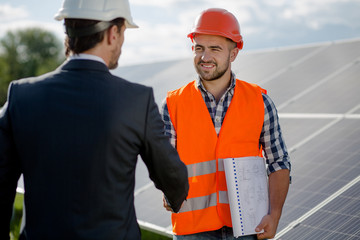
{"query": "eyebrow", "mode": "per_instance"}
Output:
(211, 47)
(198, 45)
(216, 47)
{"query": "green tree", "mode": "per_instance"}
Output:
(26, 53)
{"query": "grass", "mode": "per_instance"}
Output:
(17, 216)
(18, 212)
(147, 235)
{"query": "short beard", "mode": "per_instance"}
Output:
(218, 73)
(114, 61)
(112, 66)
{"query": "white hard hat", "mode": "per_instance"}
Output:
(101, 10)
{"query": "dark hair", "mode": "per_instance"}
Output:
(78, 45)
(232, 43)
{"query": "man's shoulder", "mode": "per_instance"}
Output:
(251, 85)
(32, 81)
(181, 90)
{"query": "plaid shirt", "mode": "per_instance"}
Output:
(271, 138)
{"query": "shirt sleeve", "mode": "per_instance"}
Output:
(271, 139)
(168, 126)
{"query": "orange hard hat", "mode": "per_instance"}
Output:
(218, 21)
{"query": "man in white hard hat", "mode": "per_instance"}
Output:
(75, 135)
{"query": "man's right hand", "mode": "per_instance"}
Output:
(166, 205)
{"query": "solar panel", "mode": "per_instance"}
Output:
(337, 220)
(312, 71)
(259, 66)
(148, 201)
(337, 95)
(319, 171)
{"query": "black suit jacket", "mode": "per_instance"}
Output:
(75, 134)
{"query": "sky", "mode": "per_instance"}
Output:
(164, 24)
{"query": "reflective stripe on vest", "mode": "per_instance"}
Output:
(200, 148)
(197, 169)
(203, 202)
(202, 168)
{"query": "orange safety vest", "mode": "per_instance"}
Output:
(207, 207)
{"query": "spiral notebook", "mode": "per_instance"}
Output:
(248, 195)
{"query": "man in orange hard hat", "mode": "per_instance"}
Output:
(218, 117)
(76, 133)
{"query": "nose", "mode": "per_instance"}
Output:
(206, 56)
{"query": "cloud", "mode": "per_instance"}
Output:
(55, 28)
(15, 18)
(9, 13)
(149, 43)
(160, 3)
(318, 14)
(164, 25)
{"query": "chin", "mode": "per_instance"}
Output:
(113, 66)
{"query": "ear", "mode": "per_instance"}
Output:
(233, 54)
(112, 34)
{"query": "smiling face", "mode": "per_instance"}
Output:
(213, 55)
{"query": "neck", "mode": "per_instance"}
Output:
(102, 50)
(218, 86)
(97, 53)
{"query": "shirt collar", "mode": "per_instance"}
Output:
(84, 56)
